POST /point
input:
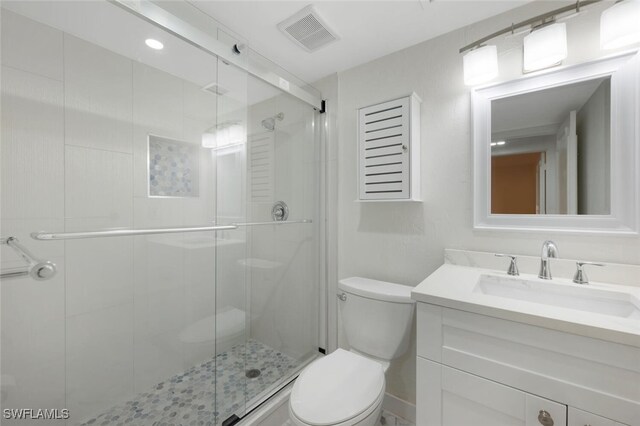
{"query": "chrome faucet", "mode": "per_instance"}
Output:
(549, 250)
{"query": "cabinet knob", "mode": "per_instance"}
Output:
(545, 418)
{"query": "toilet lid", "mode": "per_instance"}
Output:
(336, 388)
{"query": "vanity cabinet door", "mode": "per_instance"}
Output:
(450, 397)
(582, 418)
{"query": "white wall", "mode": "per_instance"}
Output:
(404, 242)
(594, 152)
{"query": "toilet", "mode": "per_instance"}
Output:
(346, 388)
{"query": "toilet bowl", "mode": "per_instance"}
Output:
(342, 388)
(346, 388)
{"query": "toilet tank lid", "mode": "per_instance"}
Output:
(378, 290)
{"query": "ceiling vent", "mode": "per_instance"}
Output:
(216, 89)
(308, 30)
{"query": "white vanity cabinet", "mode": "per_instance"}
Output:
(582, 418)
(454, 398)
(475, 369)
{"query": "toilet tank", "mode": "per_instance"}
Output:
(376, 316)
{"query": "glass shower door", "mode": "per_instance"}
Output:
(103, 155)
(125, 161)
(267, 269)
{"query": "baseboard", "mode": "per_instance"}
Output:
(399, 407)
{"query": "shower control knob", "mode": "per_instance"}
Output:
(280, 211)
(545, 418)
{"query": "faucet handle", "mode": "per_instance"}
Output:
(513, 266)
(580, 276)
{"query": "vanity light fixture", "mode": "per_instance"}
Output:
(546, 46)
(620, 25)
(223, 135)
(154, 44)
(480, 65)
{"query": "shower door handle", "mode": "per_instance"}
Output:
(47, 236)
(37, 269)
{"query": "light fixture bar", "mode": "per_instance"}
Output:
(536, 19)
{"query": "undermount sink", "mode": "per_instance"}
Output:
(564, 295)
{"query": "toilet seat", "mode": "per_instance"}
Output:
(340, 389)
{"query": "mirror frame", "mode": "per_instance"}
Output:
(624, 70)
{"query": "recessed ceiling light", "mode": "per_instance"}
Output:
(154, 44)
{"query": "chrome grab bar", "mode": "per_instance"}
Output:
(273, 222)
(48, 236)
(38, 269)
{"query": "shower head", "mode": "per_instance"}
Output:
(270, 122)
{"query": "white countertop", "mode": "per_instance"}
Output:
(452, 286)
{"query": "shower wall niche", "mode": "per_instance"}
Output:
(173, 167)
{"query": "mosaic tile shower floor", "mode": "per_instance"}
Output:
(190, 398)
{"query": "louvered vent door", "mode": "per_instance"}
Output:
(261, 168)
(384, 144)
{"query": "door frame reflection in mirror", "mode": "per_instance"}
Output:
(624, 218)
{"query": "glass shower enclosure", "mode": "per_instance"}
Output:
(159, 217)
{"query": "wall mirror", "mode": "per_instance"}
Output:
(559, 150)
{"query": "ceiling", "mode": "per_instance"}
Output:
(103, 24)
(367, 29)
(540, 112)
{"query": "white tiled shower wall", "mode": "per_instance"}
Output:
(75, 119)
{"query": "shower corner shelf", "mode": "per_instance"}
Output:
(389, 151)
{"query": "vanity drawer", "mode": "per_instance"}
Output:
(450, 397)
(582, 418)
(585, 373)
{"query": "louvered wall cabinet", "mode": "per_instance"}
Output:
(389, 150)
